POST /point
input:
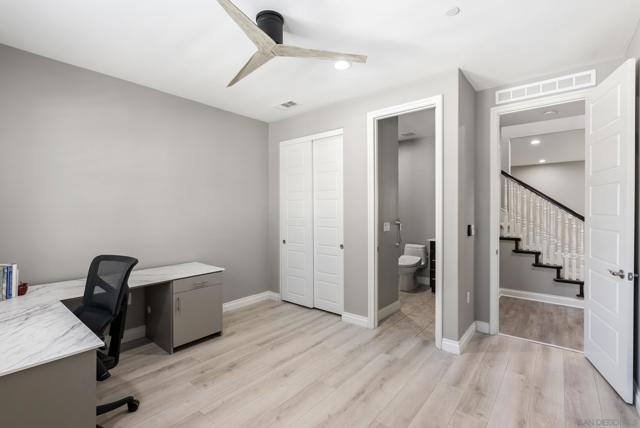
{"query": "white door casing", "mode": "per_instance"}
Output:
(609, 228)
(296, 223)
(328, 224)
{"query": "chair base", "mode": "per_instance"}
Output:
(131, 403)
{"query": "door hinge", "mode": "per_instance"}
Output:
(631, 276)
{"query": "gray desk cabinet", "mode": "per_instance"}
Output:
(184, 310)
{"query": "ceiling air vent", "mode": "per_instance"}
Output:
(408, 134)
(286, 105)
(570, 82)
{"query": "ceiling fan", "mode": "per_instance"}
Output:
(267, 36)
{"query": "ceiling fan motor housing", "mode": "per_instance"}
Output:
(271, 22)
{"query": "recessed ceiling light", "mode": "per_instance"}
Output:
(453, 11)
(542, 161)
(535, 142)
(341, 65)
(550, 112)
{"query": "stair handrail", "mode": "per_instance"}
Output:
(544, 196)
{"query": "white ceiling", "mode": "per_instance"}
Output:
(191, 48)
(567, 146)
(560, 111)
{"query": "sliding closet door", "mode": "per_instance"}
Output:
(296, 223)
(328, 224)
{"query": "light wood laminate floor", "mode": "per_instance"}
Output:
(281, 365)
(544, 322)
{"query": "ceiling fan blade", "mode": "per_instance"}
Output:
(296, 52)
(256, 61)
(259, 38)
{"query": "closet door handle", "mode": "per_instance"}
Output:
(342, 246)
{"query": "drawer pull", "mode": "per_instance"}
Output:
(200, 284)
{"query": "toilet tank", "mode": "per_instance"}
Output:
(418, 250)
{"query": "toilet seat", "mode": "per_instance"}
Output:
(409, 261)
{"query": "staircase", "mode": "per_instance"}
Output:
(544, 228)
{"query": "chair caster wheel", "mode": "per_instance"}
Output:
(133, 405)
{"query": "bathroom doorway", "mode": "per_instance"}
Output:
(406, 215)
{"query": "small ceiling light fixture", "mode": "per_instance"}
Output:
(550, 112)
(542, 161)
(535, 142)
(453, 11)
(342, 65)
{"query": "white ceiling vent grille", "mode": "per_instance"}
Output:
(570, 82)
(286, 105)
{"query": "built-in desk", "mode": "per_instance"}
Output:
(47, 355)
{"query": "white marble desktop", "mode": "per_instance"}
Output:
(37, 328)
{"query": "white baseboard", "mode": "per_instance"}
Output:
(482, 327)
(542, 297)
(134, 333)
(388, 310)
(250, 300)
(358, 320)
(457, 346)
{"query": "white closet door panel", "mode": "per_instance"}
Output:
(296, 223)
(328, 224)
(609, 228)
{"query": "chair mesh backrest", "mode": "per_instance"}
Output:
(107, 282)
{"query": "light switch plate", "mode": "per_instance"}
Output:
(386, 226)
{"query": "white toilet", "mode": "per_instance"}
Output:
(413, 259)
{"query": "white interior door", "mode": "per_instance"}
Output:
(296, 223)
(328, 224)
(609, 235)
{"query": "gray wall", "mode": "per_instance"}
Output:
(633, 51)
(92, 164)
(351, 116)
(467, 198)
(563, 181)
(516, 273)
(485, 100)
(417, 188)
(388, 251)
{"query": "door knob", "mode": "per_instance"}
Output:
(284, 241)
(619, 274)
(342, 246)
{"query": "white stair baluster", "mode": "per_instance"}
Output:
(574, 249)
(545, 233)
(538, 246)
(531, 230)
(503, 210)
(565, 254)
(518, 212)
(512, 211)
(552, 234)
(581, 251)
(525, 232)
(558, 237)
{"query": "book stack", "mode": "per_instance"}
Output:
(10, 281)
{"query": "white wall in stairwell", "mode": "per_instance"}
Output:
(563, 181)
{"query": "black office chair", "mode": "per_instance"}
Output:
(104, 304)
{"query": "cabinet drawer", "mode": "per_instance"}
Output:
(196, 282)
(197, 313)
